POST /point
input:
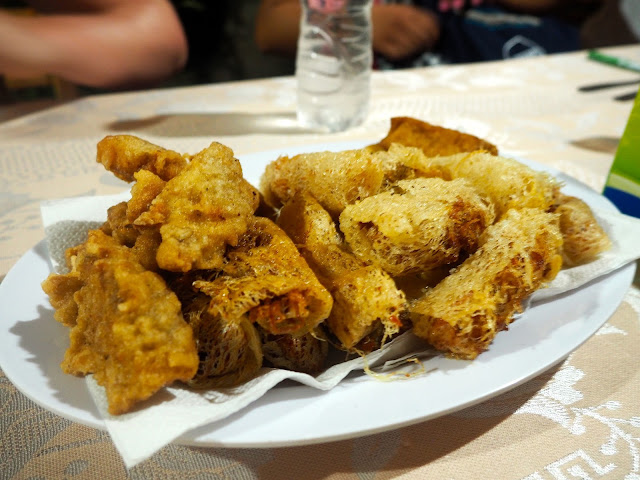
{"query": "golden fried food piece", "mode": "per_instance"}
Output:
(334, 179)
(129, 332)
(431, 139)
(365, 298)
(124, 155)
(518, 255)
(201, 211)
(266, 280)
(505, 181)
(305, 353)
(584, 239)
(410, 162)
(417, 225)
(143, 241)
(146, 188)
(61, 290)
(119, 227)
(146, 247)
(229, 349)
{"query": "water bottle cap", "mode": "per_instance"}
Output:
(327, 6)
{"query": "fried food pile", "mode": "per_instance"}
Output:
(428, 229)
(202, 279)
(184, 282)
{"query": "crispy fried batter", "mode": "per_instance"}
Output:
(118, 227)
(146, 247)
(124, 155)
(584, 239)
(431, 139)
(417, 225)
(201, 211)
(61, 290)
(129, 331)
(518, 255)
(266, 279)
(364, 297)
(146, 188)
(144, 241)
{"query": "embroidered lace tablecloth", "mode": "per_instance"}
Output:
(581, 419)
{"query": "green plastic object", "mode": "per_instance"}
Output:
(623, 183)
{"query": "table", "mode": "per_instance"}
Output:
(580, 419)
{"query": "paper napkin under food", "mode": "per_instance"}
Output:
(176, 410)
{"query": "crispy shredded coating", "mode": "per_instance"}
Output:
(229, 349)
(304, 353)
(266, 279)
(518, 255)
(417, 225)
(505, 181)
(335, 179)
(365, 298)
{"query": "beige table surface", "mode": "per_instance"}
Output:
(580, 419)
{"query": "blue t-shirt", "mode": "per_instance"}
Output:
(490, 33)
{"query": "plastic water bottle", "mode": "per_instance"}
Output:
(333, 64)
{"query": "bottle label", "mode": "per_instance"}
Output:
(327, 6)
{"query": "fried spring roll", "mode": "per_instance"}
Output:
(518, 255)
(368, 307)
(505, 181)
(584, 239)
(229, 349)
(334, 179)
(417, 225)
(266, 280)
(306, 353)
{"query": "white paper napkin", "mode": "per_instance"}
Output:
(175, 410)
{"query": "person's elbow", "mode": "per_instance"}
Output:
(147, 67)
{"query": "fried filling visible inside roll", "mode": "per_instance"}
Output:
(518, 255)
(417, 225)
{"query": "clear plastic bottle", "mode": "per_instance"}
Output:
(333, 64)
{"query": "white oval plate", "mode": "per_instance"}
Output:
(32, 345)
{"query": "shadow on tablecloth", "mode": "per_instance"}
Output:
(212, 123)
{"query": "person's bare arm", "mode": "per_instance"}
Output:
(99, 43)
(398, 30)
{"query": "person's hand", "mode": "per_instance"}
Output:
(400, 31)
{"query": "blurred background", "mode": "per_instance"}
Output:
(222, 47)
(220, 35)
